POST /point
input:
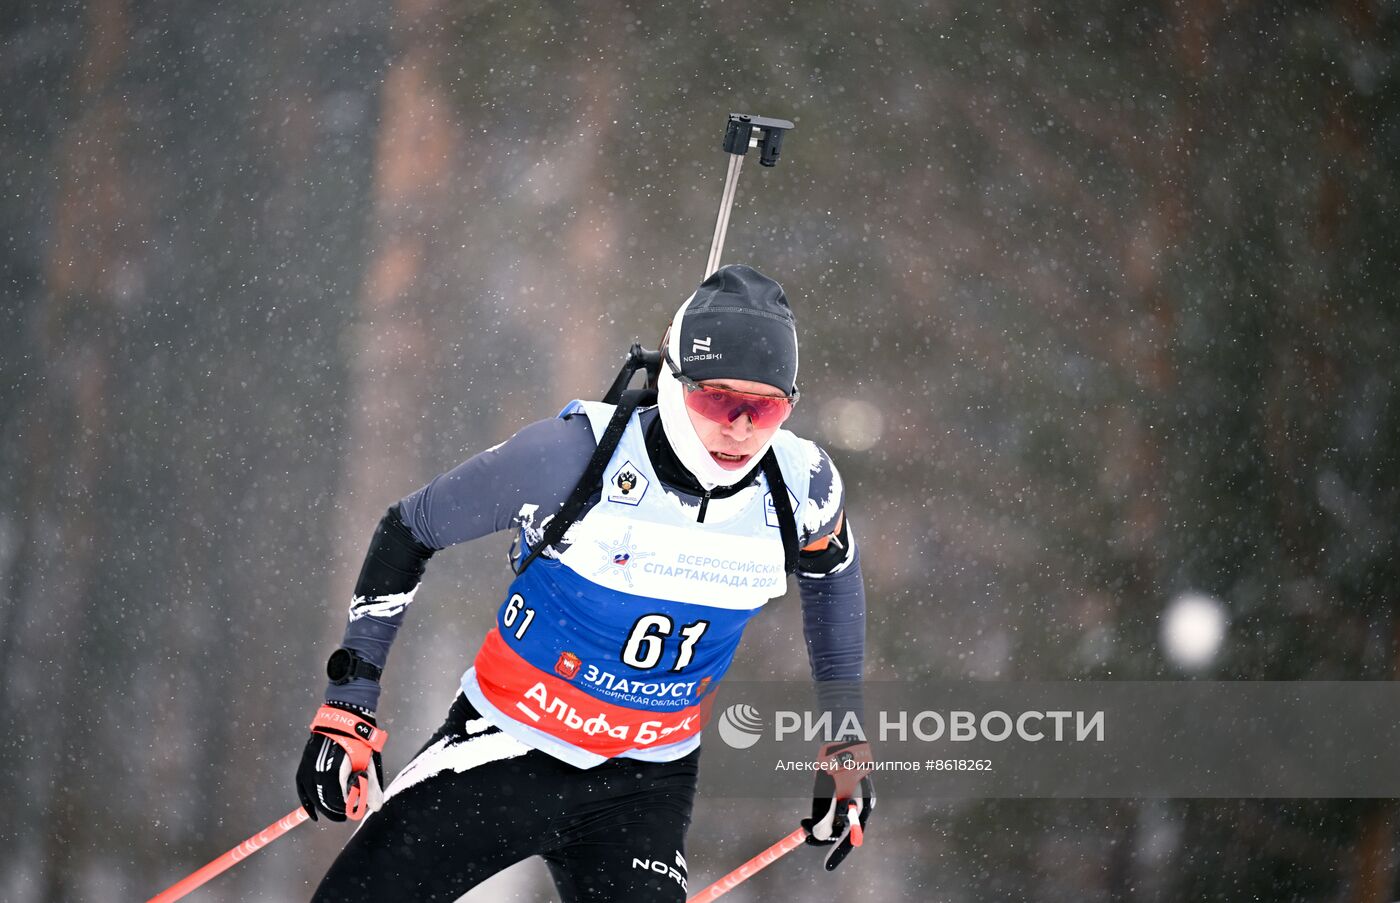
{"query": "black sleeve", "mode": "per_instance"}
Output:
(389, 578)
(833, 619)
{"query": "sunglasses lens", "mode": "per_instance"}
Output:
(723, 406)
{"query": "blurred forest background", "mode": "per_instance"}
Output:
(1098, 303)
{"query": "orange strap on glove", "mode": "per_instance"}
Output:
(362, 741)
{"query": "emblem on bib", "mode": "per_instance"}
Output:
(567, 666)
(620, 556)
(770, 512)
(627, 485)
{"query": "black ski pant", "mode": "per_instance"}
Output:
(474, 801)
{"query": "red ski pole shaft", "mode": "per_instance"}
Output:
(751, 868)
(232, 857)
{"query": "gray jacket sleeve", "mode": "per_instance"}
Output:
(532, 471)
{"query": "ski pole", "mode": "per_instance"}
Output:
(738, 138)
(751, 868)
(237, 854)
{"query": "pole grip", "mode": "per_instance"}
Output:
(234, 856)
(853, 819)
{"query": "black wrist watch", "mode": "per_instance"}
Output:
(345, 665)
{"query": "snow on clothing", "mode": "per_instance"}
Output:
(654, 583)
(476, 800)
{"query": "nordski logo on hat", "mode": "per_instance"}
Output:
(700, 350)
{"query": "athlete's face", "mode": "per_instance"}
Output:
(734, 444)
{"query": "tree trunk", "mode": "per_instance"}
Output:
(415, 160)
(69, 450)
(391, 344)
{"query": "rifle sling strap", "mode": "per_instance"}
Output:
(593, 475)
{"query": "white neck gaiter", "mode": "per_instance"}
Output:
(675, 420)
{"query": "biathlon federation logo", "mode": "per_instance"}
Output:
(627, 485)
(740, 725)
(621, 555)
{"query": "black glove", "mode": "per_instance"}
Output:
(341, 763)
(843, 782)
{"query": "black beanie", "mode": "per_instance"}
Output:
(739, 326)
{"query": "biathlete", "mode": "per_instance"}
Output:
(576, 734)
